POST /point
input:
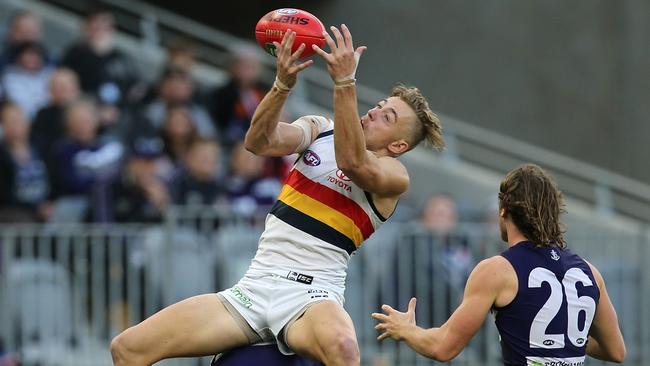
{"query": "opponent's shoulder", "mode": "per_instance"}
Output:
(494, 263)
(494, 278)
(494, 270)
(596, 273)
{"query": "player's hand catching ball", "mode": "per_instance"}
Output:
(287, 68)
(343, 60)
(393, 323)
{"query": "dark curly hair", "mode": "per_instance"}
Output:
(531, 198)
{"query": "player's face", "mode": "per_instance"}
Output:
(386, 122)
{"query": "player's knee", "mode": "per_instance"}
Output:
(345, 348)
(122, 351)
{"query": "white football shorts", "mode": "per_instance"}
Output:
(269, 303)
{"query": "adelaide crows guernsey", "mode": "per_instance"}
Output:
(548, 321)
(320, 218)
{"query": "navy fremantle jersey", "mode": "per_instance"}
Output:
(548, 321)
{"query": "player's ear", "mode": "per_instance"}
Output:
(502, 213)
(398, 147)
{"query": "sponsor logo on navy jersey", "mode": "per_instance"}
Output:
(554, 255)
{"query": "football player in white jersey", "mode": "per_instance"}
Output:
(293, 290)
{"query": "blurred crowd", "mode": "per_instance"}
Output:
(84, 138)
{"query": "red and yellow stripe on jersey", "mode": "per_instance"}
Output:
(322, 212)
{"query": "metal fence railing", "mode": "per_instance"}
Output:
(66, 290)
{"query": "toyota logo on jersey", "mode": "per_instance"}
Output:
(341, 176)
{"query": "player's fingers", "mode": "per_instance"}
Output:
(329, 41)
(380, 317)
(412, 303)
(304, 65)
(380, 326)
(319, 51)
(347, 36)
(359, 51)
(339, 38)
(289, 46)
(296, 55)
(382, 336)
(285, 38)
(387, 309)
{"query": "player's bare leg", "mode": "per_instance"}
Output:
(326, 333)
(198, 326)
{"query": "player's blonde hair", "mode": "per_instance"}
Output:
(531, 198)
(430, 127)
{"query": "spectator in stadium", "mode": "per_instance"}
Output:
(177, 133)
(440, 217)
(82, 159)
(138, 194)
(233, 104)
(249, 187)
(181, 54)
(25, 80)
(24, 184)
(48, 126)
(438, 251)
(104, 71)
(24, 26)
(176, 89)
(197, 183)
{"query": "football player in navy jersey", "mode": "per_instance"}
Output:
(551, 306)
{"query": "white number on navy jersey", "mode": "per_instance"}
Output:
(575, 304)
(538, 336)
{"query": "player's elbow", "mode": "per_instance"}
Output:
(250, 147)
(254, 145)
(443, 354)
(618, 355)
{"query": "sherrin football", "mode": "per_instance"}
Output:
(309, 30)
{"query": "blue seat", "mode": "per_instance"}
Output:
(266, 354)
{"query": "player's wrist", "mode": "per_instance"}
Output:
(342, 84)
(281, 87)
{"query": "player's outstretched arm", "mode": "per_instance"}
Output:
(383, 176)
(266, 135)
(605, 338)
(446, 342)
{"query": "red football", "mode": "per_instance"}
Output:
(309, 30)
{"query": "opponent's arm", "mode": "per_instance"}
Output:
(266, 135)
(446, 342)
(383, 176)
(605, 338)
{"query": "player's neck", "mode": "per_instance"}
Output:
(514, 235)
